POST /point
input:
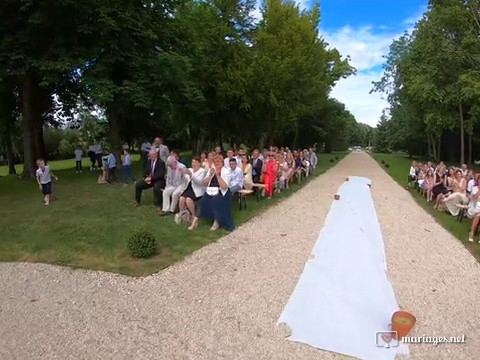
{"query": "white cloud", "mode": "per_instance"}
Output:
(354, 93)
(366, 47)
(257, 15)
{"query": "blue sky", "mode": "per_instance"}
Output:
(364, 29)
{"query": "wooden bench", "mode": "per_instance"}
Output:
(258, 189)
(242, 197)
(462, 213)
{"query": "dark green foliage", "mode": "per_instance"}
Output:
(383, 162)
(387, 165)
(332, 160)
(142, 244)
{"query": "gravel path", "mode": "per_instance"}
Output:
(223, 301)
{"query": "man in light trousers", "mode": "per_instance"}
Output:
(176, 183)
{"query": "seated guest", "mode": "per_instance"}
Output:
(216, 203)
(305, 163)
(270, 175)
(203, 158)
(438, 182)
(284, 171)
(230, 156)
(176, 184)
(155, 177)
(428, 184)
(208, 163)
(464, 169)
(161, 148)
(247, 173)
(218, 151)
(459, 194)
(473, 211)
(412, 176)
(235, 176)
(194, 191)
(312, 158)
(257, 165)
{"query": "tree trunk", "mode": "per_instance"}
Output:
(433, 144)
(438, 158)
(28, 112)
(462, 136)
(115, 132)
(429, 143)
(295, 137)
(469, 148)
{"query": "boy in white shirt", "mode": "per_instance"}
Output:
(44, 179)
(78, 159)
(127, 166)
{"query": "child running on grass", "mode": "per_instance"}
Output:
(44, 179)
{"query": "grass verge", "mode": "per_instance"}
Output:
(398, 170)
(89, 224)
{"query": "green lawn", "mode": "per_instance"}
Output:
(398, 170)
(89, 224)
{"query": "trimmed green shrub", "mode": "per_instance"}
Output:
(387, 165)
(336, 158)
(383, 162)
(142, 244)
(332, 160)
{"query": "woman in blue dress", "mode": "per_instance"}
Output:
(216, 203)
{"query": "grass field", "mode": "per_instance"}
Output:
(398, 170)
(89, 224)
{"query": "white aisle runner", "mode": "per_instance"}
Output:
(343, 296)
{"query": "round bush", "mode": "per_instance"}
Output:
(332, 160)
(336, 157)
(383, 162)
(387, 165)
(142, 244)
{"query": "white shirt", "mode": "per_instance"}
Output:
(98, 148)
(412, 171)
(174, 178)
(44, 175)
(146, 146)
(78, 154)
(226, 163)
(235, 177)
(127, 160)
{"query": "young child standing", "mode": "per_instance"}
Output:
(78, 159)
(127, 166)
(44, 179)
(111, 167)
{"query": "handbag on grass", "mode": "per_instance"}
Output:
(212, 190)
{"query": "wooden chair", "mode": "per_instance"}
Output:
(258, 190)
(242, 198)
(462, 213)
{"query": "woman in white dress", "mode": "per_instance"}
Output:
(247, 173)
(458, 195)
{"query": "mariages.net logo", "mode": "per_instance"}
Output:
(386, 339)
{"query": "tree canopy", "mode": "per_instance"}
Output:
(199, 73)
(431, 80)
